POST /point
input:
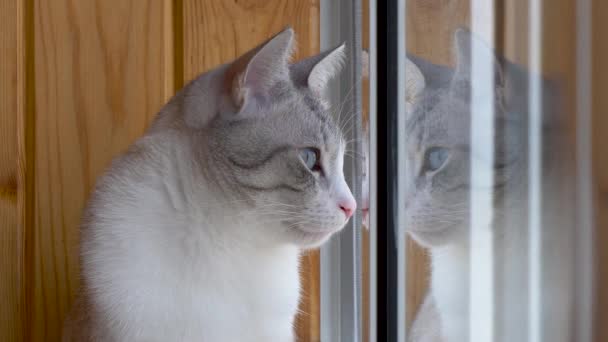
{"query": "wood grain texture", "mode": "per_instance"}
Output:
(430, 25)
(12, 233)
(307, 323)
(600, 164)
(100, 76)
(216, 32)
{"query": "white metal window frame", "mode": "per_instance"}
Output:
(341, 264)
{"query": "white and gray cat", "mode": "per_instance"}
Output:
(439, 190)
(194, 233)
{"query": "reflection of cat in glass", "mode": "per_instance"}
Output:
(438, 193)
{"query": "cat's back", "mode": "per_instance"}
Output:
(112, 249)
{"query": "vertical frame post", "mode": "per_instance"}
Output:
(390, 39)
(341, 264)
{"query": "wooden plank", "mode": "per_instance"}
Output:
(600, 164)
(12, 234)
(307, 322)
(430, 25)
(101, 73)
(215, 32)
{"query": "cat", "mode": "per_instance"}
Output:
(194, 233)
(439, 189)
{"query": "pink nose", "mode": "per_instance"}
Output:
(348, 207)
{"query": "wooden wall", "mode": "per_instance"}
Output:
(600, 162)
(12, 176)
(79, 81)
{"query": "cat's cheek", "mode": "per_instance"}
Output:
(431, 238)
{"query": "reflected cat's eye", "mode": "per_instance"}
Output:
(310, 157)
(434, 158)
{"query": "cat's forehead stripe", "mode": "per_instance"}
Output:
(327, 127)
(315, 107)
(280, 91)
(313, 104)
(420, 111)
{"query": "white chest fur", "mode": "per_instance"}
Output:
(224, 294)
(449, 286)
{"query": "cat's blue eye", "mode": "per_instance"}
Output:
(435, 158)
(310, 157)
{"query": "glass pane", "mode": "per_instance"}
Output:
(497, 172)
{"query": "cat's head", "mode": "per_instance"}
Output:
(272, 141)
(438, 137)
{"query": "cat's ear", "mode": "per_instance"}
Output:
(316, 72)
(465, 45)
(414, 83)
(471, 49)
(245, 83)
(251, 77)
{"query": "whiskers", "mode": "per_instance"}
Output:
(338, 110)
(353, 154)
(271, 212)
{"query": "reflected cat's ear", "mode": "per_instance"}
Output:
(465, 45)
(252, 77)
(414, 84)
(316, 72)
(462, 52)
